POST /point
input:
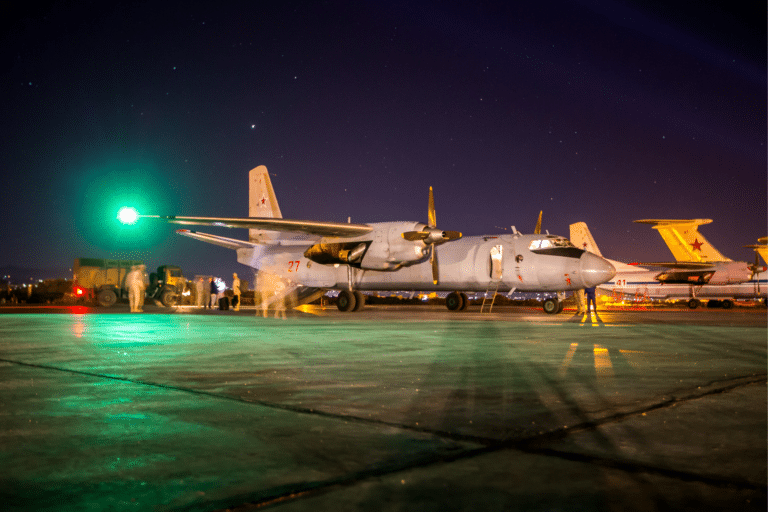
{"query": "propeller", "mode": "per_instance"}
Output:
(760, 250)
(430, 235)
(537, 229)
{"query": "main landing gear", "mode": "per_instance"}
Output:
(552, 306)
(350, 300)
(456, 301)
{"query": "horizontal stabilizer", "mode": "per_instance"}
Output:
(229, 243)
(668, 222)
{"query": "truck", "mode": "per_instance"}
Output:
(104, 281)
(166, 285)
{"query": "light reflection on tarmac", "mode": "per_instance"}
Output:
(386, 409)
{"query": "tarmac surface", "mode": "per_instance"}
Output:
(391, 408)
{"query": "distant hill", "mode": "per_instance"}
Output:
(21, 275)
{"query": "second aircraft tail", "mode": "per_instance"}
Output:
(581, 237)
(684, 240)
(262, 202)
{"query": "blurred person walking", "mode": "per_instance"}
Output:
(236, 292)
(200, 292)
(133, 281)
(143, 282)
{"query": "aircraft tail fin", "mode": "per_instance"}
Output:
(262, 202)
(761, 248)
(684, 240)
(582, 238)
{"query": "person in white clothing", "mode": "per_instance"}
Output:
(134, 281)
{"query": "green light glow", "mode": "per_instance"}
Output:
(128, 215)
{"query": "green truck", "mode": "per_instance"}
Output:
(103, 280)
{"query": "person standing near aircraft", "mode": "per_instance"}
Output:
(143, 282)
(236, 292)
(214, 291)
(590, 292)
(200, 292)
(579, 296)
(134, 281)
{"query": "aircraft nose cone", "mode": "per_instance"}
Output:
(595, 270)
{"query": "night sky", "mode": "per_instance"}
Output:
(593, 111)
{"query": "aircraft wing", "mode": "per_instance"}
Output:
(310, 227)
(229, 243)
(690, 265)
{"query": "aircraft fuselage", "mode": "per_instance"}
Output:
(515, 262)
(643, 284)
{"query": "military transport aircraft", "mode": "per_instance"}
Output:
(692, 283)
(302, 259)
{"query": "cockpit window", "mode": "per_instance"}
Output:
(549, 243)
(555, 246)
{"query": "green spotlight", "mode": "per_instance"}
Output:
(128, 215)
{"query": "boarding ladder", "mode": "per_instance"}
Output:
(495, 254)
(492, 285)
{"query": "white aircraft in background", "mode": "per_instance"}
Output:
(708, 280)
(301, 260)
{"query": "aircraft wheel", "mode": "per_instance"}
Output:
(106, 298)
(560, 307)
(727, 304)
(359, 300)
(346, 301)
(169, 298)
(551, 306)
(453, 301)
(694, 303)
(464, 301)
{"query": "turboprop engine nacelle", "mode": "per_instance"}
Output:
(390, 251)
(730, 273)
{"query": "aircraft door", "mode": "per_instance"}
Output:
(497, 252)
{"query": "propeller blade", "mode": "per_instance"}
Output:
(451, 235)
(431, 213)
(537, 229)
(433, 259)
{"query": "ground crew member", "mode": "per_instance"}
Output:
(214, 291)
(580, 300)
(133, 282)
(144, 282)
(236, 292)
(591, 298)
(199, 289)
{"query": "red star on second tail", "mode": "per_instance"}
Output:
(696, 244)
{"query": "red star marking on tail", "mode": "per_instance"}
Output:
(697, 245)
